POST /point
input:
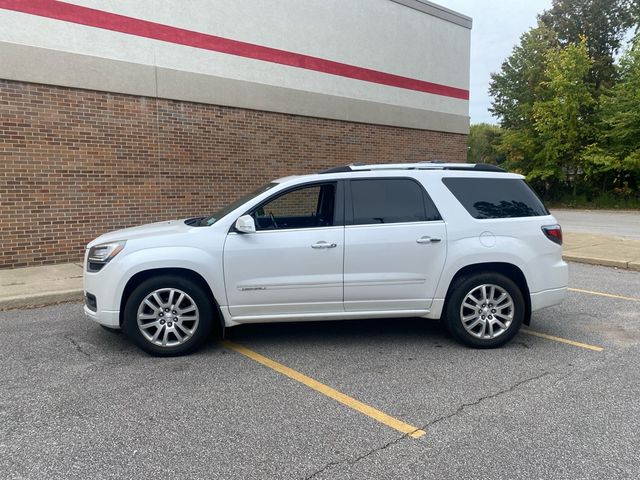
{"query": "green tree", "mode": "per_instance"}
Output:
(603, 23)
(483, 140)
(614, 160)
(564, 118)
(515, 87)
(635, 15)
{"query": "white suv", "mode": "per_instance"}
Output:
(470, 244)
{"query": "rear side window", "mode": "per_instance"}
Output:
(496, 197)
(390, 200)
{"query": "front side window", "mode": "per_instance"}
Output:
(390, 200)
(305, 207)
(208, 221)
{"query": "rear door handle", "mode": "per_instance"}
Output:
(427, 239)
(323, 244)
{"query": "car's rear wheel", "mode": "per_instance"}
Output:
(168, 315)
(485, 310)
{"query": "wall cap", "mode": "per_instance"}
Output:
(438, 11)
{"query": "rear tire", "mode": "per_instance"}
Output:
(484, 310)
(168, 315)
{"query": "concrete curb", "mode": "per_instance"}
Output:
(605, 250)
(41, 299)
(603, 262)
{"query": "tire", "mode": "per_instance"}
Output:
(180, 330)
(494, 321)
(111, 329)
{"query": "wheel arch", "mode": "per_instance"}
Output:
(194, 276)
(509, 270)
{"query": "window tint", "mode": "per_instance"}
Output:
(496, 197)
(207, 221)
(390, 201)
(305, 207)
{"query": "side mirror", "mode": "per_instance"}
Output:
(246, 224)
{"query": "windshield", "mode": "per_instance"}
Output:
(207, 221)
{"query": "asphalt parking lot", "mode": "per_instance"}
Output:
(79, 402)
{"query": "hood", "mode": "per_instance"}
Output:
(171, 227)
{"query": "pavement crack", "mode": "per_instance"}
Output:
(396, 440)
(78, 347)
(327, 466)
(464, 406)
(362, 456)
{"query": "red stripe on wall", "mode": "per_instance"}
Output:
(142, 28)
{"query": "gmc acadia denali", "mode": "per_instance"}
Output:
(469, 244)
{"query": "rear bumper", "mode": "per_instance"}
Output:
(547, 298)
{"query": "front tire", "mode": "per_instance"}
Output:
(485, 310)
(111, 329)
(168, 315)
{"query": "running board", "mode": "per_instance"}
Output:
(326, 316)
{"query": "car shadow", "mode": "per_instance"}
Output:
(344, 331)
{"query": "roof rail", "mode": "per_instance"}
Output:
(430, 165)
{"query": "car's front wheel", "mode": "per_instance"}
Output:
(168, 315)
(485, 310)
(111, 329)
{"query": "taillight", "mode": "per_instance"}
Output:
(553, 233)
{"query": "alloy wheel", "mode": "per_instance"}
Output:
(487, 311)
(168, 317)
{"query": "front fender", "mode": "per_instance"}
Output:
(202, 262)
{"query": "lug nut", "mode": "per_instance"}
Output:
(174, 312)
(490, 317)
(161, 322)
(493, 311)
(166, 309)
(169, 324)
(482, 317)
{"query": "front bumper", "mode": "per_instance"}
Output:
(108, 318)
(102, 285)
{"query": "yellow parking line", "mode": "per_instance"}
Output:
(562, 340)
(602, 294)
(350, 402)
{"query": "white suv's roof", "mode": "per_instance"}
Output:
(443, 168)
(433, 165)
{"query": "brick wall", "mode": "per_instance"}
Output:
(76, 163)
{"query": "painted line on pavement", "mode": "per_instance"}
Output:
(602, 294)
(562, 340)
(340, 397)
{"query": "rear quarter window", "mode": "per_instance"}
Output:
(496, 197)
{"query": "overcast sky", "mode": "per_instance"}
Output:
(497, 26)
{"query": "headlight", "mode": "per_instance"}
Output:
(100, 255)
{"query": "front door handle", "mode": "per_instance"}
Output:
(427, 239)
(322, 244)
